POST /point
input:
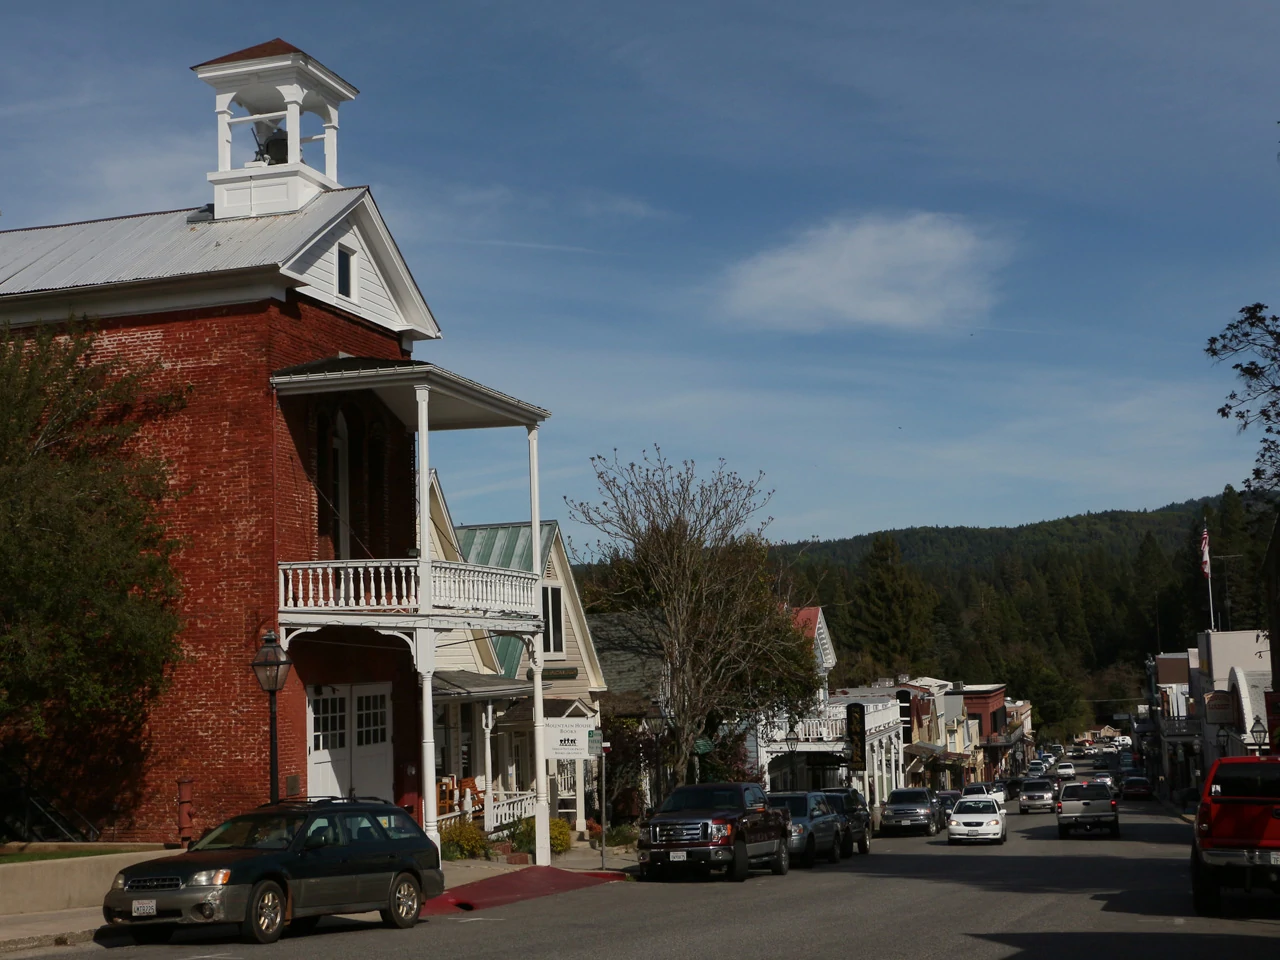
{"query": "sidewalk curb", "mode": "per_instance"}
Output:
(1175, 812)
(48, 940)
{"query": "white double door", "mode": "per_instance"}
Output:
(349, 742)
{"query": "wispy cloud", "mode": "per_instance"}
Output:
(598, 204)
(912, 271)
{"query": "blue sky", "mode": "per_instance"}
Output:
(927, 263)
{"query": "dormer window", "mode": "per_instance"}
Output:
(346, 266)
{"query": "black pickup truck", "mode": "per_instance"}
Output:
(719, 826)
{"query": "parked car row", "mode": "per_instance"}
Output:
(737, 827)
(284, 865)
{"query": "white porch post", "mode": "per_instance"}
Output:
(424, 642)
(579, 797)
(486, 721)
(423, 393)
(541, 808)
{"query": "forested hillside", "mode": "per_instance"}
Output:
(1064, 611)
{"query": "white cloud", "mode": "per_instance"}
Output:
(912, 271)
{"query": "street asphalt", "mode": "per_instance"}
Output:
(1036, 897)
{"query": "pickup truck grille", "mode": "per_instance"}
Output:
(677, 832)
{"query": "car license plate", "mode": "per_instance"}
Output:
(678, 856)
(144, 908)
(1275, 858)
(973, 833)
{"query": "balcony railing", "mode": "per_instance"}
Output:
(392, 586)
(809, 729)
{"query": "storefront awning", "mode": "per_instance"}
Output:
(922, 749)
(463, 686)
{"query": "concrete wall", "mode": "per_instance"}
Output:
(43, 885)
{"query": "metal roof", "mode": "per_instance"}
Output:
(504, 544)
(160, 246)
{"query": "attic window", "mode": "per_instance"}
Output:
(346, 260)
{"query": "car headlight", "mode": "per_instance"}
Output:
(797, 829)
(118, 882)
(720, 831)
(993, 823)
(953, 823)
(211, 878)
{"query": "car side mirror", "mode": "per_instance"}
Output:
(314, 841)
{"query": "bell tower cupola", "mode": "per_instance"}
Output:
(264, 96)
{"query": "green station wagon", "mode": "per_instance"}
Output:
(288, 863)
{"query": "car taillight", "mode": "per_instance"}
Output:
(1113, 804)
(1203, 819)
(1059, 806)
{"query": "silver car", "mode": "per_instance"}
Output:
(1036, 795)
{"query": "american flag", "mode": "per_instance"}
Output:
(1204, 551)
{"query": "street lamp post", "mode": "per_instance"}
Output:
(1258, 733)
(271, 666)
(1224, 739)
(793, 741)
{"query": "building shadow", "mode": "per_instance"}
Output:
(1164, 945)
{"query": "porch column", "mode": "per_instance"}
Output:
(541, 808)
(486, 721)
(424, 641)
(422, 393)
(579, 797)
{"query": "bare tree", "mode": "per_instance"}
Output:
(678, 551)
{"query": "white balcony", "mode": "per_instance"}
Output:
(392, 586)
(825, 730)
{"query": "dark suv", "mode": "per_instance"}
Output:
(289, 862)
(912, 808)
(856, 830)
(725, 826)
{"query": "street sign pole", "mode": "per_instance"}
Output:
(604, 807)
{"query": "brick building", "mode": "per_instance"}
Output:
(288, 309)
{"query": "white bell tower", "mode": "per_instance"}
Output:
(274, 83)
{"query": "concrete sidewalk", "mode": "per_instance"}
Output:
(28, 931)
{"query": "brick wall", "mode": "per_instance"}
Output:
(243, 466)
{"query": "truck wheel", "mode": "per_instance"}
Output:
(1115, 830)
(652, 873)
(1062, 832)
(740, 867)
(264, 918)
(864, 843)
(1206, 892)
(781, 862)
(931, 829)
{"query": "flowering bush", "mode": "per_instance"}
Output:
(466, 838)
(523, 836)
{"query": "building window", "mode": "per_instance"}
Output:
(371, 719)
(553, 618)
(329, 730)
(346, 260)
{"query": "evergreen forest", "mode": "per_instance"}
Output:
(1064, 611)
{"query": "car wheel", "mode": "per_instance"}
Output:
(404, 904)
(931, 829)
(864, 843)
(151, 933)
(1003, 837)
(1206, 892)
(301, 926)
(740, 868)
(833, 855)
(781, 862)
(810, 855)
(264, 918)
(846, 844)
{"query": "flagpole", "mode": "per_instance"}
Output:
(1207, 568)
(1209, 579)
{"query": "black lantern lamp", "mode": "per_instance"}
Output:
(271, 666)
(792, 741)
(1258, 733)
(1224, 739)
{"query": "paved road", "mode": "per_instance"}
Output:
(1036, 897)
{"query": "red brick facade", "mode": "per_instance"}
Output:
(247, 467)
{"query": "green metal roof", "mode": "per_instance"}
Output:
(504, 544)
(509, 650)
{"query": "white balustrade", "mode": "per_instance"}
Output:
(470, 586)
(456, 816)
(809, 730)
(512, 807)
(392, 586)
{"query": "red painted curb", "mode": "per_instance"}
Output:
(526, 884)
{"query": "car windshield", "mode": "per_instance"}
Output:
(973, 788)
(1036, 785)
(702, 798)
(799, 806)
(836, 802)
(1137, 782)
(258, 831)
(975, 806)
(1260, 780)
(909, 796)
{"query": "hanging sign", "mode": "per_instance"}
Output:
(1219, 707)
(855, 725)
(566, 738)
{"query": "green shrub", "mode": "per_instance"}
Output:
(621, 835)
(524, 838)
(467, 838)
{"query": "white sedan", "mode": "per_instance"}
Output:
(976, 818)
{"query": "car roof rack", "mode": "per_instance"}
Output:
(322, 801)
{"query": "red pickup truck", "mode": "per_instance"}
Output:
(1237, 833)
